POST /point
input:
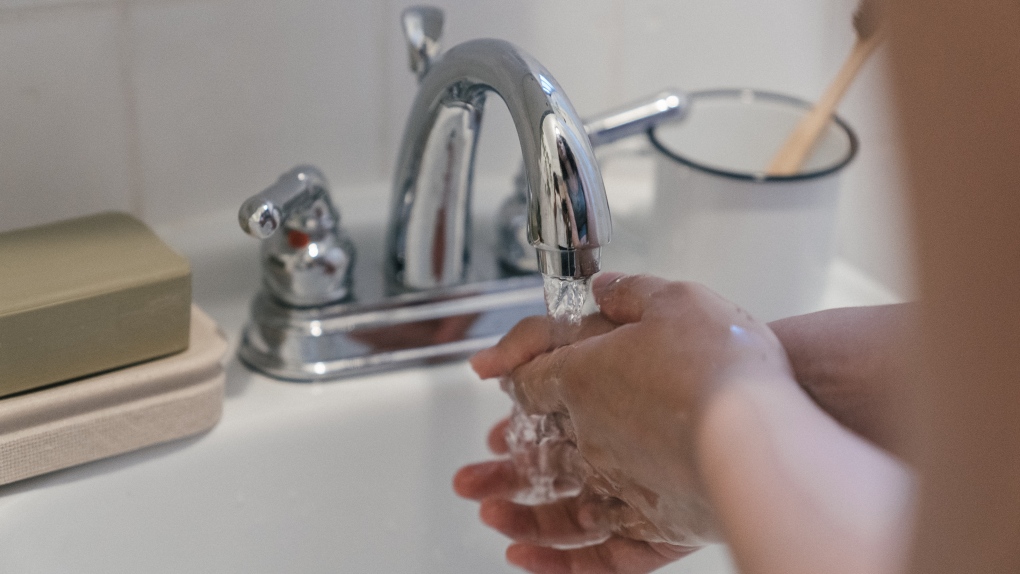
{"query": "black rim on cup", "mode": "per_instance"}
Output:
(744, 95)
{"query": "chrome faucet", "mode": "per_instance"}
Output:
(429, 232)
(319, 317)
(513, 249)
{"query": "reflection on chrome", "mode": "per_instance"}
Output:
(568, 215)
(321, 317)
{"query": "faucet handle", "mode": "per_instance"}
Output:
(637, 117)
(262, 214)
(310, 262)
(423, 26)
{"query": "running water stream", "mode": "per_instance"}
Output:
(540, 448)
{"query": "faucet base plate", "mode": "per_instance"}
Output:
(413, 329)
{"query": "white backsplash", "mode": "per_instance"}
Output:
(172, 108)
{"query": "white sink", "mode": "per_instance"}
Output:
(351, 476)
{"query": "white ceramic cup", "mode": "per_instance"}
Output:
(765, 243)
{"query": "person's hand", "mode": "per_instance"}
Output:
(634, 395)
(573, 535)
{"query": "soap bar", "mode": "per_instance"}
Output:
(87, 295)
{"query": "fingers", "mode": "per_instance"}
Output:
(537, 385)
(565, 523)
(490, 479)
(493, 477)
(624, 298)
(528, 339)
(614, 556)
(579, 521)
(497, 437)
(500, 479)
(589, 525)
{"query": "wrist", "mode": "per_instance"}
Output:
(735, 411)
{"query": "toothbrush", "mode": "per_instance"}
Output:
(791, 157)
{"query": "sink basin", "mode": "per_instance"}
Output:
(349, 476)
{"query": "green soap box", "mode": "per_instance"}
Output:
(87, 295)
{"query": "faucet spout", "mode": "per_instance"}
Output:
(568, 215)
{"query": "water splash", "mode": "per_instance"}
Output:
(543, 456)
(566, 300)
(544, 452)
(540, 446)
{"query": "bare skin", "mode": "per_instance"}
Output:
(675, 408)
(854, 362)
(956, 69)
(955, 66)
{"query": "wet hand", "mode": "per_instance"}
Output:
(634, 393)
(572, 535)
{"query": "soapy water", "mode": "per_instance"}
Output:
(541, 448)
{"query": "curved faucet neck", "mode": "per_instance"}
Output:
(568, 218)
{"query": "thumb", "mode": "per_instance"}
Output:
(624, 298)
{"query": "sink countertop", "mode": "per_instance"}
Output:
(349, 476)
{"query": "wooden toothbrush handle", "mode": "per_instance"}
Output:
(800, 142)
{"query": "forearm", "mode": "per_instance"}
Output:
(850, 361)
(794, 491)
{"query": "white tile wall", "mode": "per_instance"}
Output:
(13, 4)
(231, 93)
(64, 124)
(729, 43)
(465, 20)
(169, 108)
(874, 227)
